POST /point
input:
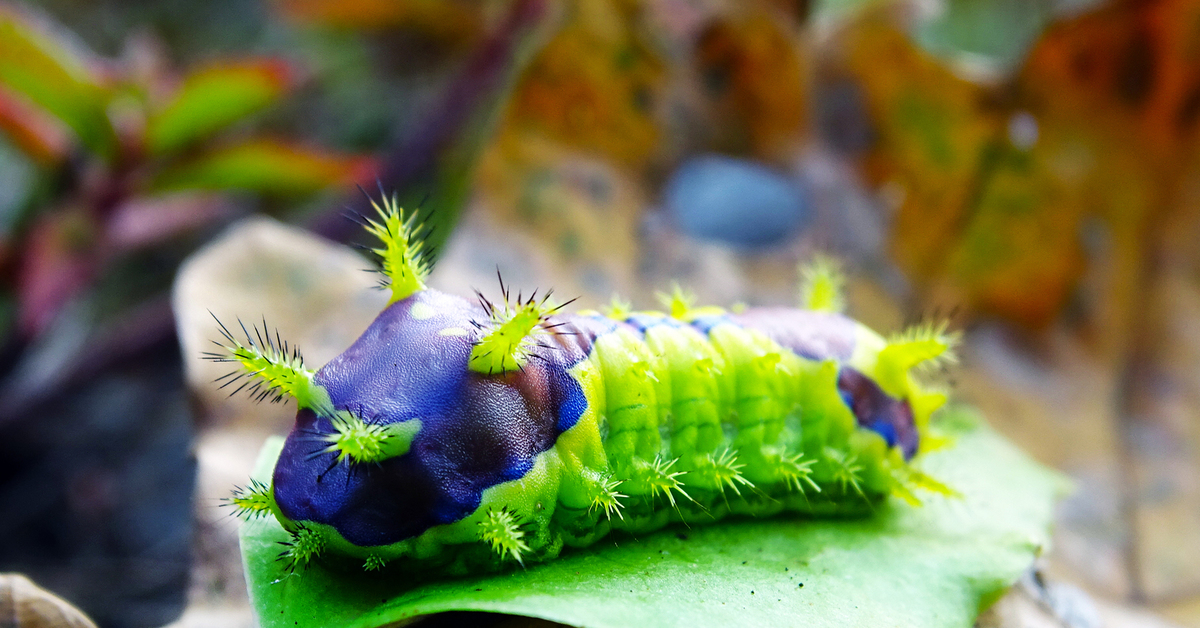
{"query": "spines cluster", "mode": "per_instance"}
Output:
(821, 285)
(725, 472)
(374, 562)
(305, 545)
(270, 368)
(930, 345)
(501, 530)
(403, 258)
(660, 480)
(606, 498)
(678, 302)
(618, 308)
(924, 347)
(795, 472)
(510, 335)
(907, 479)
(252, 501)
(847, 471)
(358, 441)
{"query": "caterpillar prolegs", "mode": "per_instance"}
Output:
(457, 436)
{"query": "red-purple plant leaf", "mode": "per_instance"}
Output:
(59, 260)
(144, 221)
(38, 134)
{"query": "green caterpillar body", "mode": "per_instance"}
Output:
(457, 437)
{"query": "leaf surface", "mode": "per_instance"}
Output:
(932, 566)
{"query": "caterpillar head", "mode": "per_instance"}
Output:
(438, 400)
(412, 430)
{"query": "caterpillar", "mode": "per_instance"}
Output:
(458, 436)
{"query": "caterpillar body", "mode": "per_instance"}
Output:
(458, 436)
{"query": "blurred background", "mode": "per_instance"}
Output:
(1028, 168)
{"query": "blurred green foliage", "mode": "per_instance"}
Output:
(111, 136)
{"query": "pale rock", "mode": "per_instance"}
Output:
(314, 292)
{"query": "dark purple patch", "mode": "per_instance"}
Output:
(875, 410)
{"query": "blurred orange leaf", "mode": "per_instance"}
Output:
(1019, 253)
(267, 166)
(753, 69)
(31, 129)
(52, 75)
(596, 86)
(451, 19)
(1117, 95)
(932, 132)
(980, 222)
(215, 97)
(1134, 64)
(997, 187)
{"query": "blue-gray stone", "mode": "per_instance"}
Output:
(736, 201)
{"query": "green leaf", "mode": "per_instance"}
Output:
(55, 77)
(266, 166)
(937, 565)
(998, 32)
(215, 97)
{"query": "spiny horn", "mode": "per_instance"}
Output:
(821, 284)
(618, 308)
(501, 530)
(305, 545)
(508, 345)
(403, 259)
(360, 442)
(928, 343)
(679, 302)
(252, 501)
(269, 367)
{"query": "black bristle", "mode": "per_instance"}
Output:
(245, 331)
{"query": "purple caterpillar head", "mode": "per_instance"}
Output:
(476, 430)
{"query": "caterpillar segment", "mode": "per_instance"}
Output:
(459, 437)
